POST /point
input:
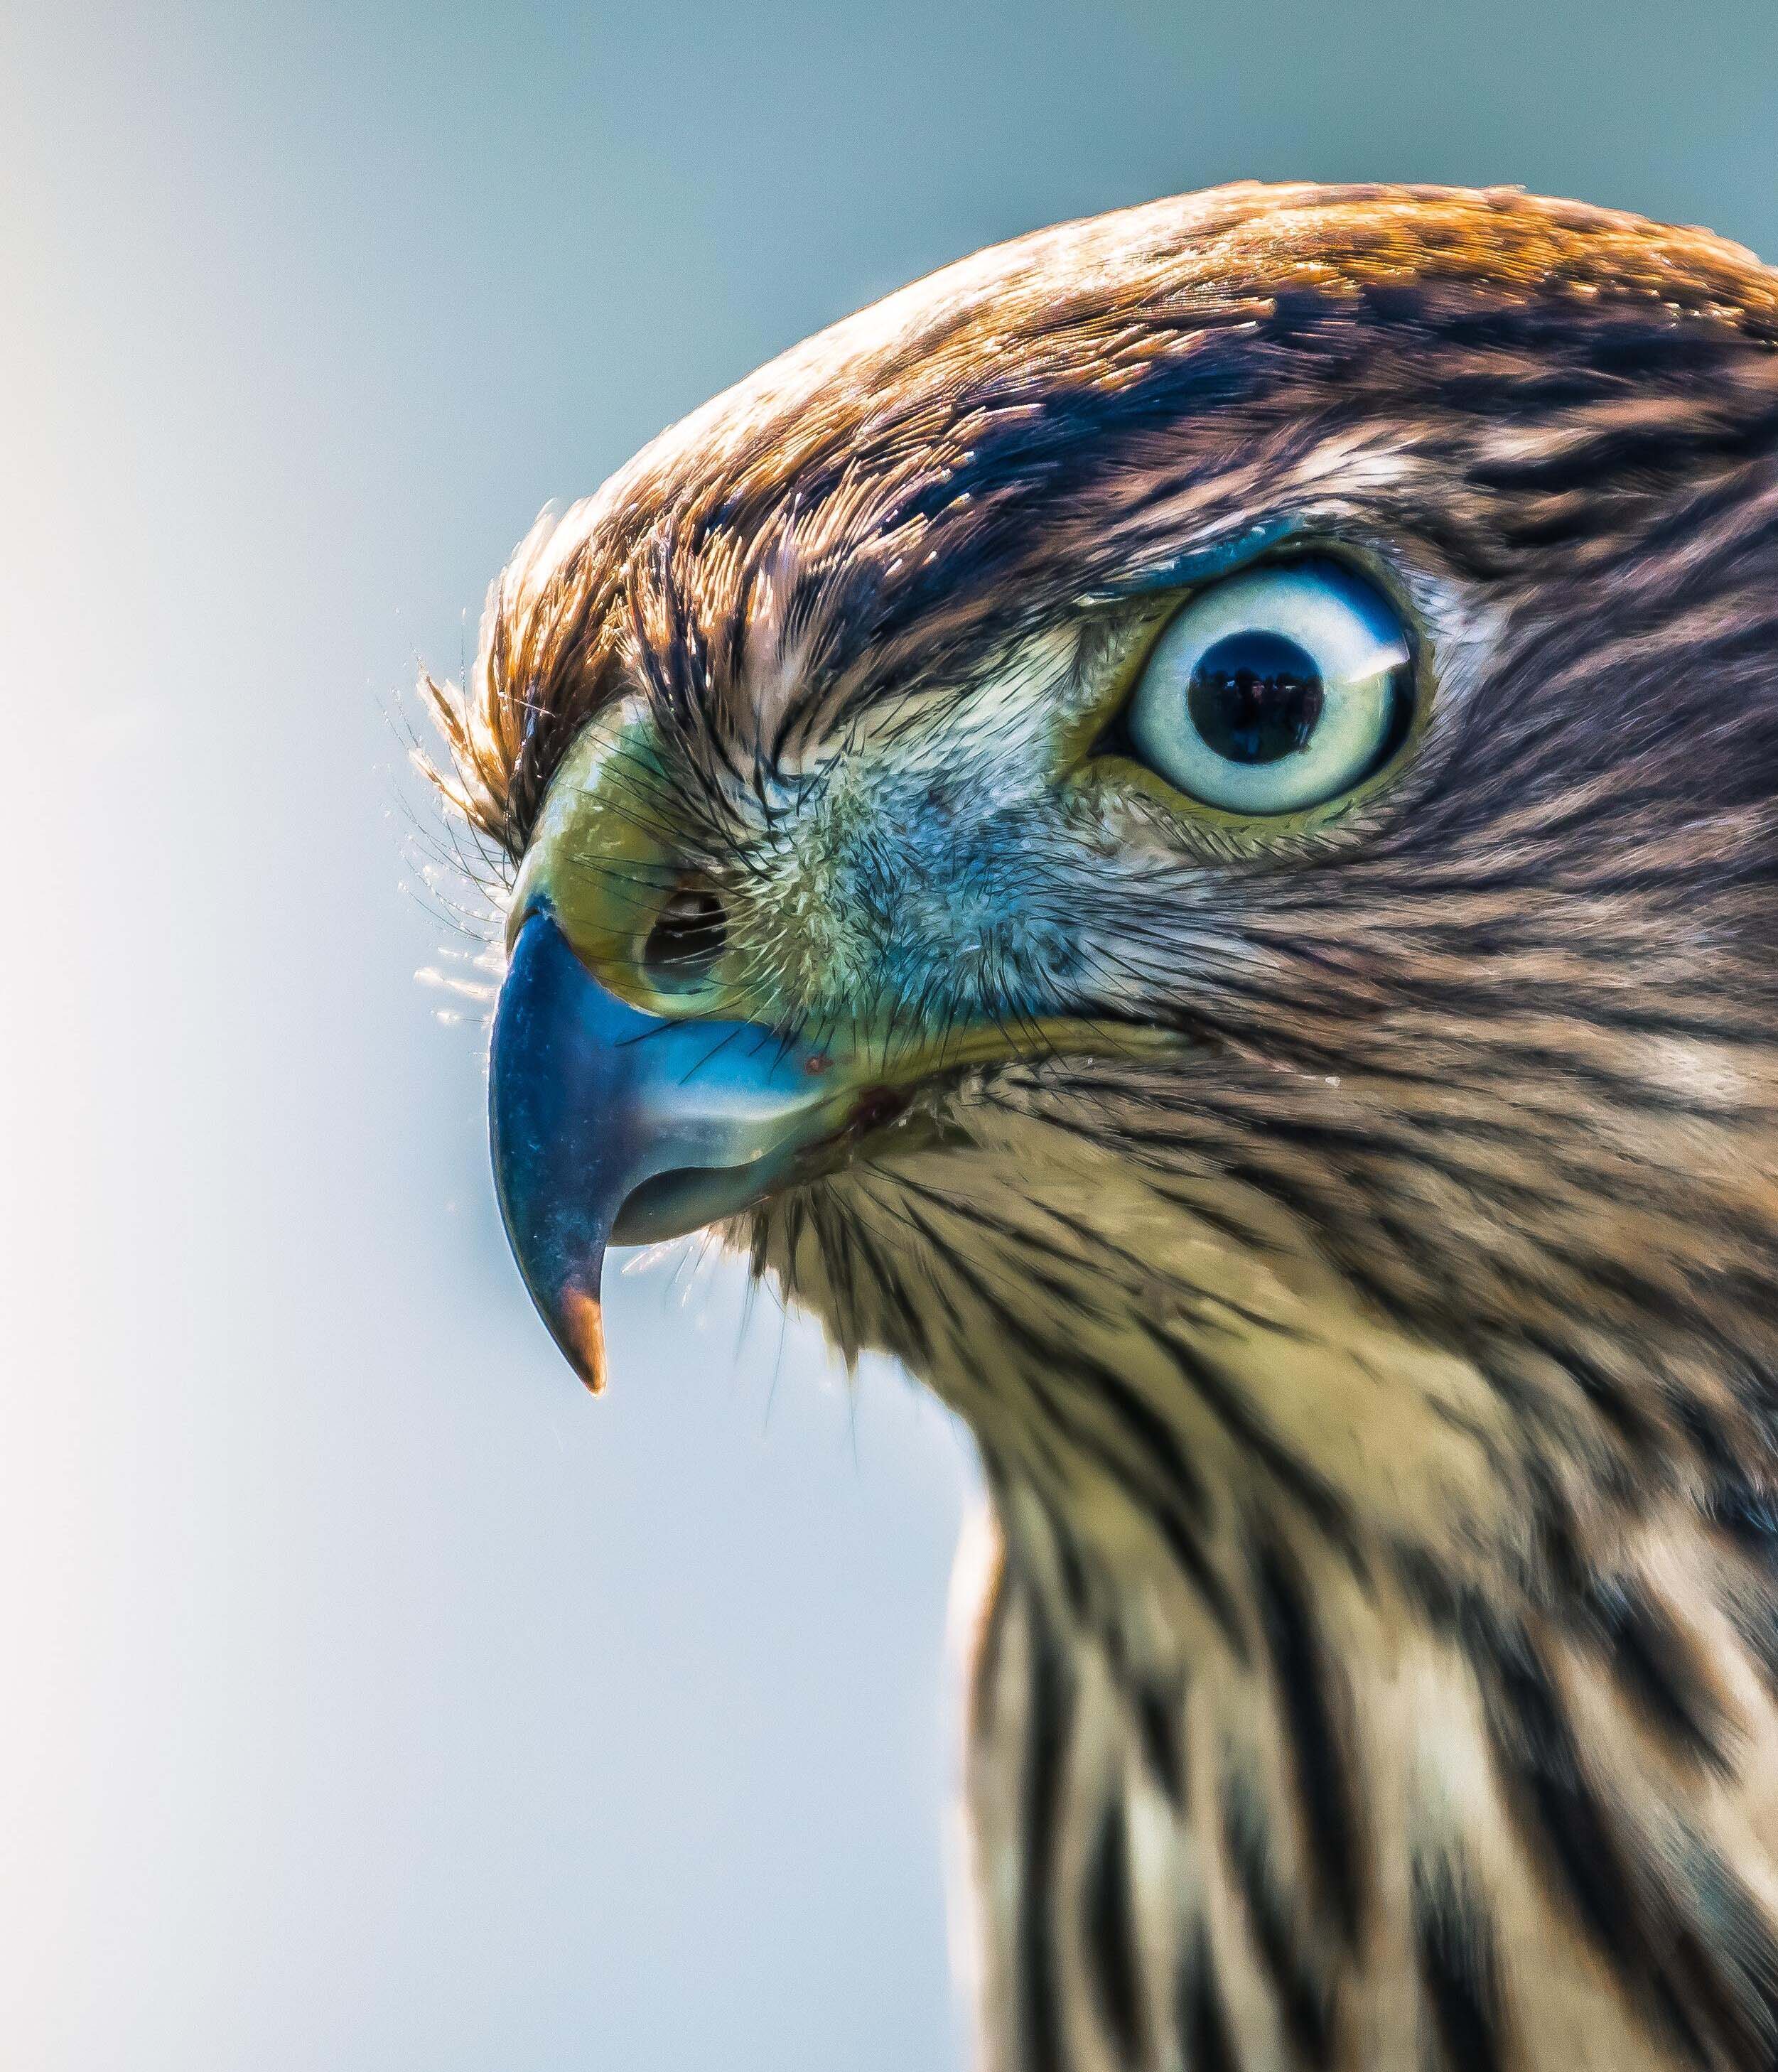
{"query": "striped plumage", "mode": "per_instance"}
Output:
(1378, 1392)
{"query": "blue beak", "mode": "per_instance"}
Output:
(612, 1125)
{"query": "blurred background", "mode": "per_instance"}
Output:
(371, 1698)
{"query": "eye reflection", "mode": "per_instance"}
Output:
(1255, 696)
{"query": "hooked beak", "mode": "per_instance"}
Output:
(609, 1125)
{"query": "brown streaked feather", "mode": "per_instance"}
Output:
(1380, 1399)
(770, 543)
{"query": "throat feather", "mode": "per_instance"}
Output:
(1342, 1701)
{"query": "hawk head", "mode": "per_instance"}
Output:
(1174, 825)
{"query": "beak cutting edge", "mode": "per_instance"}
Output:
(609, 1125)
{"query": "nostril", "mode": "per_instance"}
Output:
(686, 940)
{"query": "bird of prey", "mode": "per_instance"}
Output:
(1175, 826)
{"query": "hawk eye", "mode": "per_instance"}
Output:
(1278, 689)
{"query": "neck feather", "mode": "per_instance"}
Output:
(1344, 1698)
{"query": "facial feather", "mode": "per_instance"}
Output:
(1376, 1391)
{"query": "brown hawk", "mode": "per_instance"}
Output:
(1175, 826)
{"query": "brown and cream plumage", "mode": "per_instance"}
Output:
(1350, 1232)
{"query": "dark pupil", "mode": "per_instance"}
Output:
(1255, 696)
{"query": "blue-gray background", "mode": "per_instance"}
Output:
(370, 1698)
